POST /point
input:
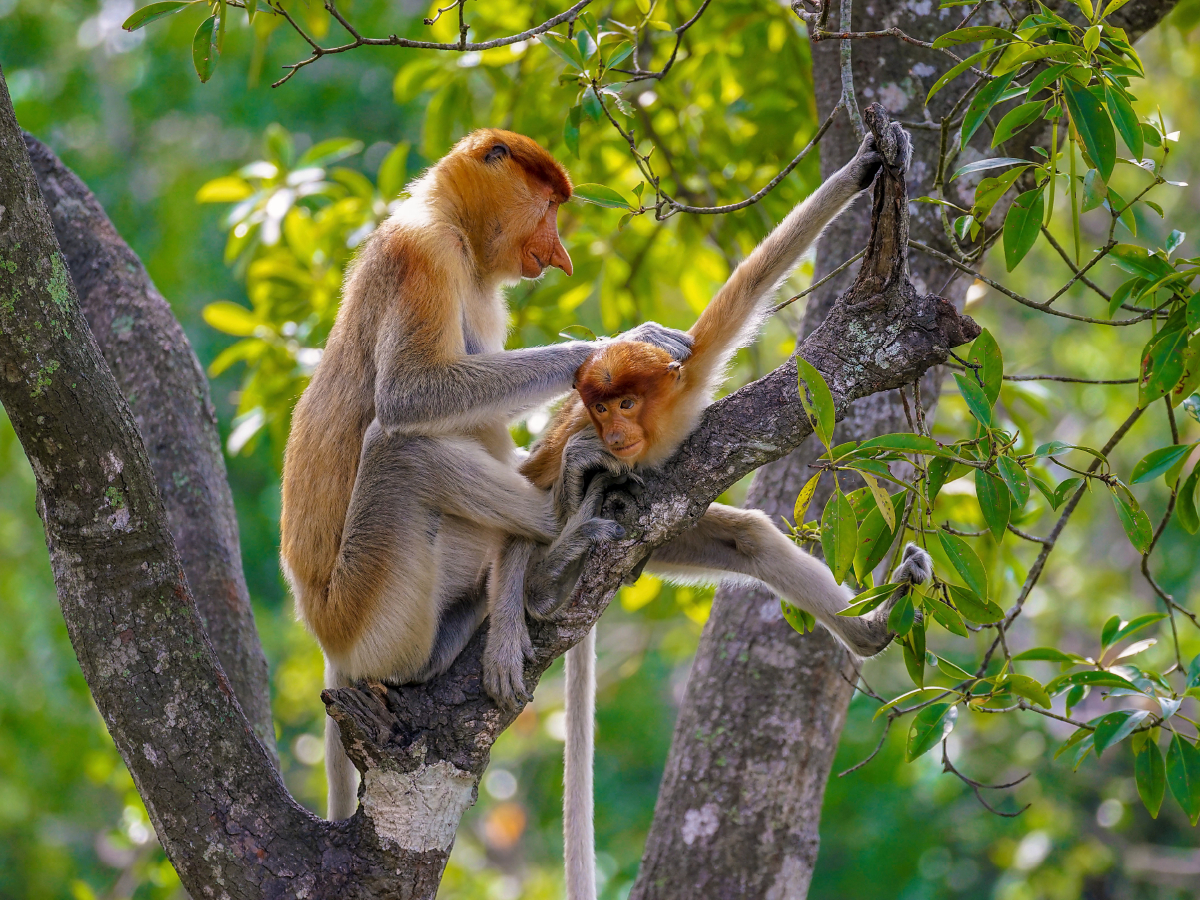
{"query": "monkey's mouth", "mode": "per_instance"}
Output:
(628, 449)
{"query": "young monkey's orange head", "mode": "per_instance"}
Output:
(508, 190)
(627, 388)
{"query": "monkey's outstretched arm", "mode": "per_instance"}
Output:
(733, 315)
(472, 390)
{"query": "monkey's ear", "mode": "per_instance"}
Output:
(676, 368)
(498, 152)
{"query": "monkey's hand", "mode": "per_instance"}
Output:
(868, 160)
(677, 343)
(916, 566)
(504, 667)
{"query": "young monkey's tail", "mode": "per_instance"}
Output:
(340, 773)
(579, 838)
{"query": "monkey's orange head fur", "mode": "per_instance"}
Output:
(628, 388)
(504, 190)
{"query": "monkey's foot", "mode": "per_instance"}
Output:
(551, 584)
(504, 669)
(916, 566)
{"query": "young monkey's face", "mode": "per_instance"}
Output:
(619, 423)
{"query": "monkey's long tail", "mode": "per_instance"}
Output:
(579, 839)
(339, 771)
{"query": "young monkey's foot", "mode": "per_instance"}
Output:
(504, 669)
(551, 583)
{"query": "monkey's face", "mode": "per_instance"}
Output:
(619, 423)
(543, 247)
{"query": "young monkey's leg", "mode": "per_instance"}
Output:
(737, 543)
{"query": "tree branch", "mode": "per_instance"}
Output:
(158, 373)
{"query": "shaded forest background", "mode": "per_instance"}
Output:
(127, 113)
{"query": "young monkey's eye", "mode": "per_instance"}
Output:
(600, 408)
(627, 403)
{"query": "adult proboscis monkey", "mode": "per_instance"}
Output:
(400, 484)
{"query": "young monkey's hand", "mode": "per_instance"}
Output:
(868, 160)
(677, 343)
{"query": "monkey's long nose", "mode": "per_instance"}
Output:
(560, 259)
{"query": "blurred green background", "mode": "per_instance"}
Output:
(128, 114)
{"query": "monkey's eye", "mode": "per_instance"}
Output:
(627, 403)
(498, 152)
(601, 408)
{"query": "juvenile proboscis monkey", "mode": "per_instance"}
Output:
(634, 406)
(400, 485)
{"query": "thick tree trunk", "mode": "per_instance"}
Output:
(158, 373)
(740, 803)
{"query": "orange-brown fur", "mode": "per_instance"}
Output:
(409, 279)
(672, 398)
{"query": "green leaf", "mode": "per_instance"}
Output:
(600, 196)
(973, 34)
(976, 399)
(227, 189)
(1125, 119)
(591, 104)
(1093, 678)
(966, 563)
(983, 165)
(874, 539)
(563, 48)
(929, 727)
(961, 67)
(1022, 226)
(206, 48)
(1047, 77)
(1162, 362)
(905, 443)
(1133, 519)
(1015, 478)
(947, 618)
(1151, 775)
(1048, 654)
(231, 318)
(913, 646)
(981, 105)
(902, 616)
(803, 622)
(1159, 461)
(805, 498)
(883, 501)
(822, 399)
(839, 535)
(985, 353)
(993, 498)
(868, 600)
(1109, 632)
(1134, 625)
(949, 669)
(154, 11)
(1138, 261)
(330, 151)
(1017, 119)
(1064, 490)
(982, 612)
(1029, 688)
(571, 131)
(1116, 726)
(1095, 191)
(1094, 126)
(393, 171)
(618, 54)
(1183, 775)
(1185, 502)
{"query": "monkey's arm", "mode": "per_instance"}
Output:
(471, 390)
(733, 315)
